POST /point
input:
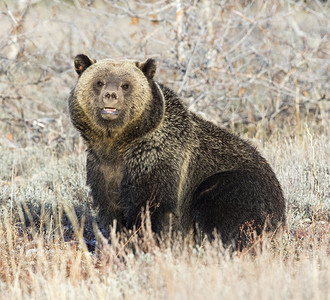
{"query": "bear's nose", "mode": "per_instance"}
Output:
(112, 95)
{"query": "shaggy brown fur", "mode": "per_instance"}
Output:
(146, 148)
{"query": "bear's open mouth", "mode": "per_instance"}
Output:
(109, 111)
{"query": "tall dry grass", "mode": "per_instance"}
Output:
(42, 266)
(260, 68)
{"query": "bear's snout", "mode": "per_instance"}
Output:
(110, 95)
(110, 98)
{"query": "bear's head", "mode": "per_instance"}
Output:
(113, 93)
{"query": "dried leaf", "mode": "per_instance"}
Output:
(154, 19)
(241, 92)
(9, 137)
(305, 93)
(179, 14)
(135, 20)
(154, 22)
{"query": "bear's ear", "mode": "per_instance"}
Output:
(82, 62)
(148, 67)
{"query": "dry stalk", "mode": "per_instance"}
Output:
(297, 103)
(179, 32)
(313, 168)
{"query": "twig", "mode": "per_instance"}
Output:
(10, 14)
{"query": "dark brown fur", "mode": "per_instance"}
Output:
(156, 152)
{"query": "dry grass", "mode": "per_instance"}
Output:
(53, 269)
(260, 68)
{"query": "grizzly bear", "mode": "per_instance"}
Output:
(145, 149)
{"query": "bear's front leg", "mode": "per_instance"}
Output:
(137, 199)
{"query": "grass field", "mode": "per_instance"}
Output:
(259, 68)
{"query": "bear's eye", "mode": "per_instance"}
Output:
(125, 86)
(100, 83)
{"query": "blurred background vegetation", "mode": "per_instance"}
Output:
(260, 68)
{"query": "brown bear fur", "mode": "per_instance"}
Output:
(146, 149)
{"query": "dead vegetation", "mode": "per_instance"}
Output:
(260, 68)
